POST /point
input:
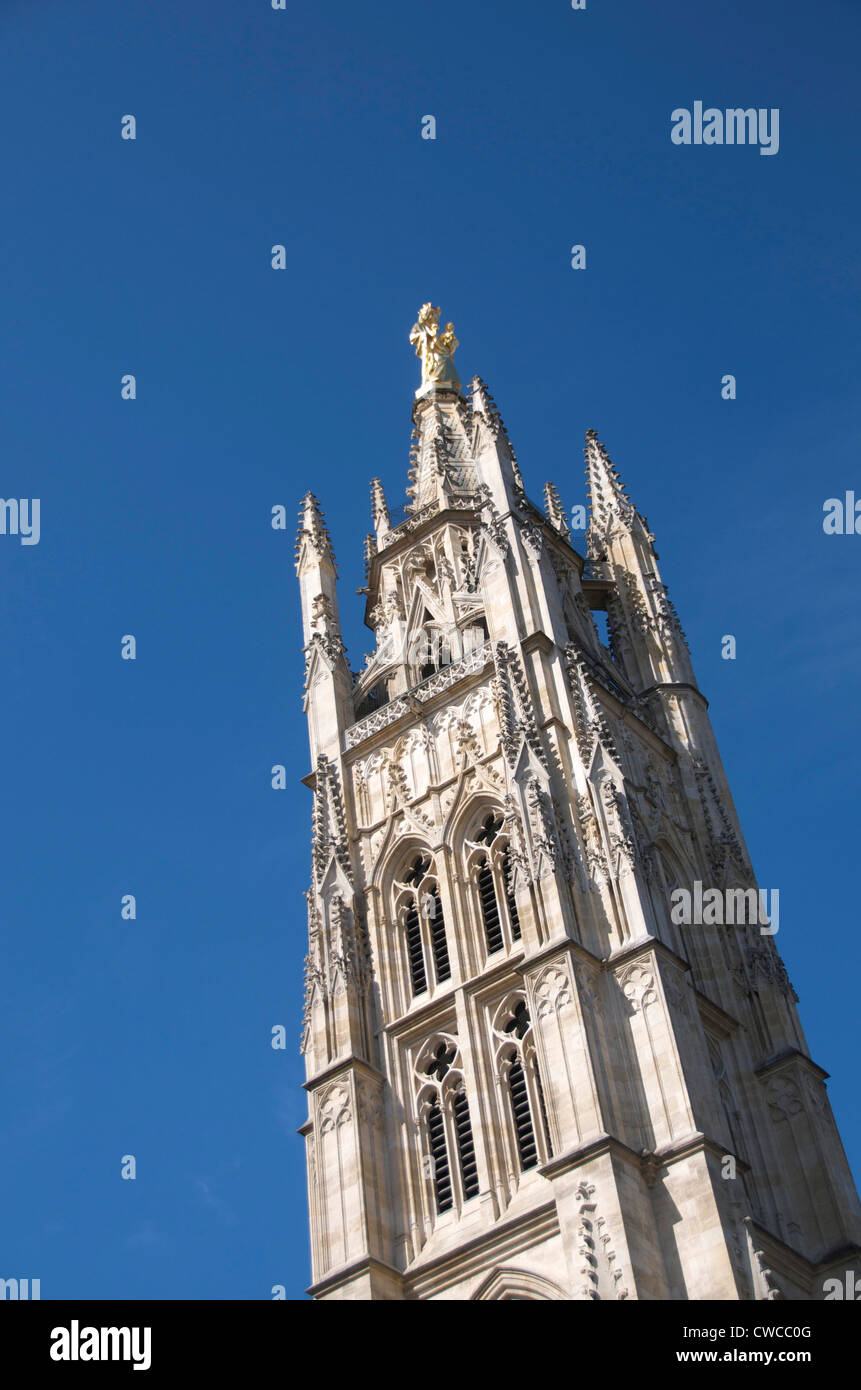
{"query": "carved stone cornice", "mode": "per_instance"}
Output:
(411, 702)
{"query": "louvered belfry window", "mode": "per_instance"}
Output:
(489, 909)
(424, 902)
(542, 1105)
(525, 1090)
(465, 1144)
(442, 965)
(522, 1115)
(493, 887)
(414, 950)
(449, 1103)
(439, 1154)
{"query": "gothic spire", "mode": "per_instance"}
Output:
(379, 509)
(313, 533)
(321, 625)
(619, 538)
(441, 462)
(609, 502)
(555, 510)
(484, 406)
(492, 427)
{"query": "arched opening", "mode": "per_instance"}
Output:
(521, 1075)
(492, 873)
(424, 927)
(453, 1167)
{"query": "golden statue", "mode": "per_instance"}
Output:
(435, 349)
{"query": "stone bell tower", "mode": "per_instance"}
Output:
(527, 1079)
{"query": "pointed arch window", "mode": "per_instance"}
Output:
(453, 1168)
(432, 647)
(421, 913)
(439, 1156)
(521, 1075)
(489, 909)
(465, 1143)
(439, 946)
(472, 635)
(522, 1113)
(415, 950)
(491, 871)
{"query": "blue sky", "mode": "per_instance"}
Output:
(257, 127)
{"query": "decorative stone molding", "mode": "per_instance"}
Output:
(338, 958)
(533, 538)
(518, 1284)
(638, 986)
(492, 528)
(518, 856)
(328, 833)
(623, 846)
(350, 954)
(596, 863)
(573, 862)
(649, 1167)
(770, 1288)
(542, 825)
(398, 790)
(328, 647)
(552, 991)
(475, 661)
(725, 847)
(314, 972)
(634, 610)
(602, 1278)
(590, 724)
(763, 961)
(784, 1100)
(667, 618)
(334, 1106)
(588, 987)
(516, 715)
(370, 1105)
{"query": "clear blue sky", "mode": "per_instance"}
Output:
(303, 127)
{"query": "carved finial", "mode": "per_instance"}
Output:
(555, 511)
(436, 351)
(484, 405)
(328, 824)
(313, 530)
(608, 498)
(379, 509)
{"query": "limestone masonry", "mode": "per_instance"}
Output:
(525, 1080)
